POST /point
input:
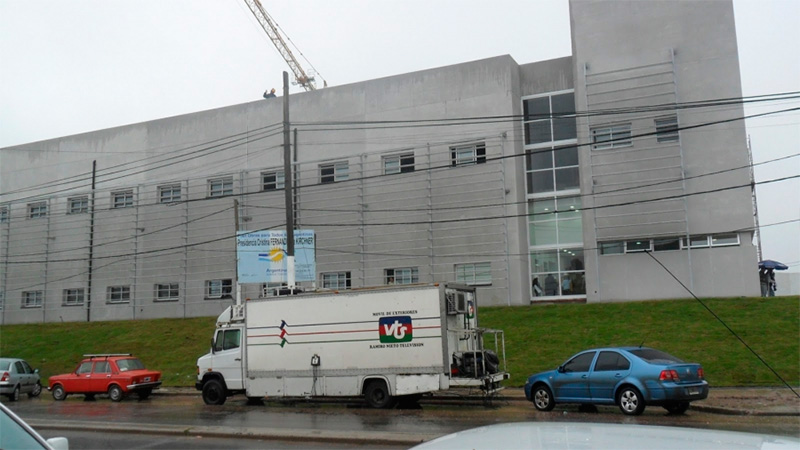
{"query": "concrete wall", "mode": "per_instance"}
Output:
(632, 54)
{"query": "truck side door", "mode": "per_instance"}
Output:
(228, 356)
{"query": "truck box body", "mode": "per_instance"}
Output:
(337, 343)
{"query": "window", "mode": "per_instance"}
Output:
(722, 240)
(667, 129)
(666, 244)
(555, 221)
(78, 205)
(85, 367)
(463, 155)
(330, 173)
(611, 361)
(36, 210)
(696, 242)
(550, 170)
(2, 300)
(639, 245)
(122, 199)
(32, 299)
(168, 291)
(219, 288)
(3, 214)
(270, 289)
(219, 187)
(405, 275)
(73, 297)
(336, 280)
(612, 248)
(656, 356)
(549, 118)
(118, 294)
(474, 274)
(579, 363)
(611, 137)
(272, 181)
(398, 163)
(227, 340)
(102, 367)
(169, 194)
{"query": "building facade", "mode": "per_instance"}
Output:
(594, 177)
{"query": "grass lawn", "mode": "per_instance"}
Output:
(537, 338)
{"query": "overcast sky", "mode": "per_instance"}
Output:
(68, 67)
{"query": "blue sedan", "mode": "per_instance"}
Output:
(630, 377)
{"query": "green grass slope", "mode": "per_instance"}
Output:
(537, 338)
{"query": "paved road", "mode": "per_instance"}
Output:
(185, 416)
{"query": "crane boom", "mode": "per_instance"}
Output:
(269, 26)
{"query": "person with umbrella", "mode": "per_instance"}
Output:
(766, 276)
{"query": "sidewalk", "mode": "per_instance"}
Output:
(754, 401)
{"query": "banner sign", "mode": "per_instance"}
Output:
(261, 256)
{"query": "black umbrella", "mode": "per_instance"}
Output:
(770, 264)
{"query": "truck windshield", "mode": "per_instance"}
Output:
(129, 364)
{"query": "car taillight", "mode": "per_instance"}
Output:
(5, 377)
(669, 375)
(701, 374)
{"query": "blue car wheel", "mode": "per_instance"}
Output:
(543, 398)
(630, 401)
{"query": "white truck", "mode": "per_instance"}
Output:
(388, 344)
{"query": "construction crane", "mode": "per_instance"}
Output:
(300, 76)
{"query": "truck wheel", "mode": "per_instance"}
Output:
(213, 393)
(115, 393)
(377, 395)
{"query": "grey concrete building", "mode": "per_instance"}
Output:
(572, 179)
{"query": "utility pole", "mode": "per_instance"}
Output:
(91, 246)
(288, 186)
(236, 252)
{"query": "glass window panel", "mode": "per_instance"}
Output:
(537, 132)
(543, 233)
(539, 182)
(569, 207)
(544, 261)
(564, 128)
(698, 241)
(572, 259)
(637, 245)
(568, 178)
(566, 156)
(550, 283)
(666, 244)
(540, 159)
(564, 103)
(725, 239)
(543, 209)
(537, 108)
(612, 248)
(570, 231)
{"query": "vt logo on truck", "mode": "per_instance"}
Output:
(395, 329)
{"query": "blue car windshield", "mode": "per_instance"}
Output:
(654, 356)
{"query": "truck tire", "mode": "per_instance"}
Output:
(377, 395)
(214, 392)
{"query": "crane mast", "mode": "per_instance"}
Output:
(269, 26)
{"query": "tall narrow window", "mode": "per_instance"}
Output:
(122, 199)
(4, 214)
(667, 129)
(271, 181)
(219, 187)
(549, 118)
(463, 155)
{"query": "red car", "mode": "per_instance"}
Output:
(117, 375)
